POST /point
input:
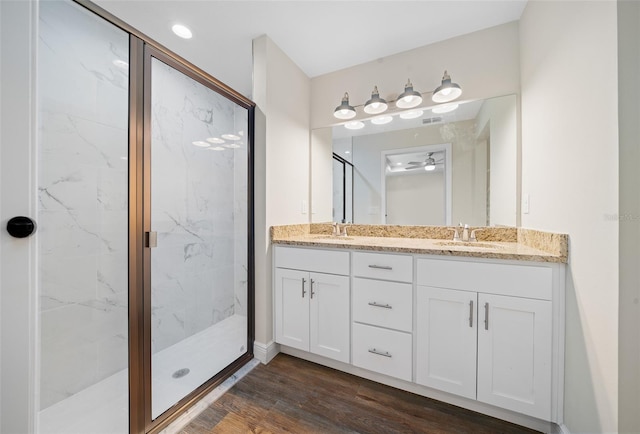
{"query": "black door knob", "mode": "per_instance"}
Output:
(21, 227)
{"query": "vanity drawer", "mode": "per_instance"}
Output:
(384, 304)
(384, 351)
(503, 279)
(321, 261)
(383, 266)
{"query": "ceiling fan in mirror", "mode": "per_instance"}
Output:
(428, 164)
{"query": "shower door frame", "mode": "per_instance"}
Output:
(141, 50)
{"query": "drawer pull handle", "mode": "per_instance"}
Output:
(486, 316)
(385, 306)
(303, 291)
(380, 353)
(312, 282)
(381, 267)
(471, 314)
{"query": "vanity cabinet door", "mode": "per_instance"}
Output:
(329, 315)
(447, 340)
(514, 354)
(292, 308)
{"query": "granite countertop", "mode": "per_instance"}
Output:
(495, 243)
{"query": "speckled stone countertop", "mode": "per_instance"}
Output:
(495, 243)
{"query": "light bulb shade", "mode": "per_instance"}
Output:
(409, 98)
(354, 125)
(381, 120)
(376, 104)
(413, 114)
(447, 91)
(445, 108)
(344, 110)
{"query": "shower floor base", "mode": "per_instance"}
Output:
(103, 408)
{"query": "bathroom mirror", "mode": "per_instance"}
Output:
(435, 169)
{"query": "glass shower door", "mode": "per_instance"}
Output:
(198, 232)
(82, 215)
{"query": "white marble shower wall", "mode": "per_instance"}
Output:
(82, 209)
(198, 207)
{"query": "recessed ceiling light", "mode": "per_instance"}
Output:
(354, 125)
(381, 120)
(182, 31)
(230, 137)
(215, 140)
(411, 114)
(347, 152)
(398, 164)
(121, 64)
(215, 148)
(445, 108)
(201, 144)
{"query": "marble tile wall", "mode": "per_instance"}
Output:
(198, 197)
(82, 209)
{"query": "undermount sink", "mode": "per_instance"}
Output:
(468, 244)
(333, 237)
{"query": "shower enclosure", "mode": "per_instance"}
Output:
(143, 250)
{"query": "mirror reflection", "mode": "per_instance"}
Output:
(435, 169)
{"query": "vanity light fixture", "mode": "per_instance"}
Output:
(201, 144)
(381, 120)
(354, 125)
(411, 114)
(375, 105)
(216, 148)
(344, 110)
(182, 31)
(445, 108)
(447, 91)
(215, 140)
(409, 98)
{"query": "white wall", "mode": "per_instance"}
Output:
(484, 63)
(629, 122)
(321, 194)
(570, 170)
(416, 198)
(500, 114)
(282, 176)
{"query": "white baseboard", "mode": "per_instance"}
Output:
(265, 352)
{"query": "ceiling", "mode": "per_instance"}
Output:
(319, 36)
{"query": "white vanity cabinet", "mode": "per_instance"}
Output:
(472, 331)
(382, 313)
(489, 333)
(312, 301)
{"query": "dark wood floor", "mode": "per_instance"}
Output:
(290, 395)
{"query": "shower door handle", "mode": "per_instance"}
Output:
(151, 239)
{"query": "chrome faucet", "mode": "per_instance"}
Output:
(465, 233)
